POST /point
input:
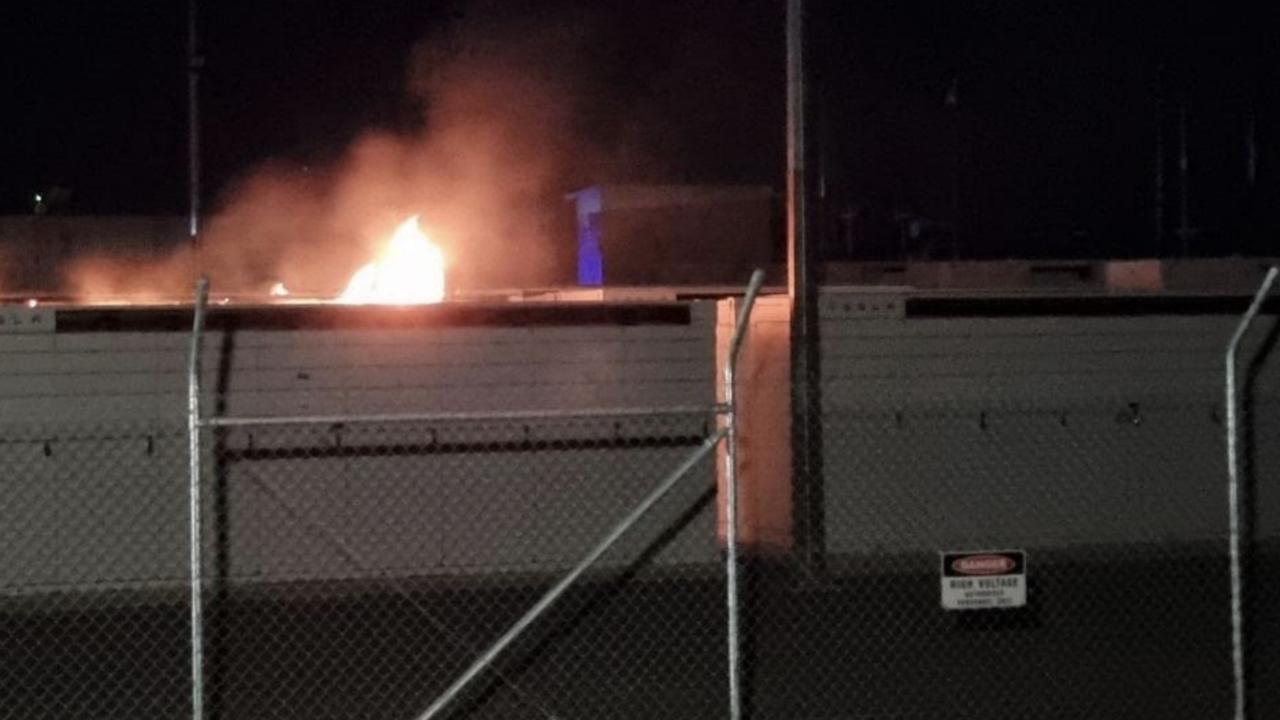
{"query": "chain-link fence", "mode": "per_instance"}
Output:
(93, 600)
(1087, 445)
(355, 570)
(1258, 381)
(1126, 610)
(358, 567)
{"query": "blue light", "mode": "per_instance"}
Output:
(590, 257)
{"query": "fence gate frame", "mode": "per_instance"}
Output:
(726, 431)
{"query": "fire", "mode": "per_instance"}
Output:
(279, 290)
(409, 271)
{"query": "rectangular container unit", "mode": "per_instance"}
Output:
(1009, 421)
(94, 447)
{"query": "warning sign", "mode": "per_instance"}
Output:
(976, 580)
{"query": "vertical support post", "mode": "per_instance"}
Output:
(1251, 146)
(193, 489)
(796, 246)
(193, 122)
(1184, 184)
(1249, 228)
(953, 106)
(1233, 496)
(1159, 163)
(802, 257)
(731, 489)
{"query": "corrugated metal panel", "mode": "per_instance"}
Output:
(1042, 360)
(944, 432)
(93, 446)
(135, 375)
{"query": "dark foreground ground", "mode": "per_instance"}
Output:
(1122, 633)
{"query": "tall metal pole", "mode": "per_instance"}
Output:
(797, 266)
(1159, 169)
(1248, 228)
(1184, 185)
(1233, 497)
(802, 266)
(740, 329)
(953, 105)
(194, 62)
(1251, 146)
(193, 490)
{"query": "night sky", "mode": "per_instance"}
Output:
(986, 129)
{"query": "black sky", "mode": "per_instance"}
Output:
(1049, 150)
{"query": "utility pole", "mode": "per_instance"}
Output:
(797, 251)
(1251, 146)
(1159, 172)
(953, 103)
(194, 63)
(1184, 187)
(802, 285)
(1248, 228)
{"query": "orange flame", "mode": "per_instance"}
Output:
(410, 271)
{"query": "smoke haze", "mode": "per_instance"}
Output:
(485, 166)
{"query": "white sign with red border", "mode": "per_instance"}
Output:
(985, 579)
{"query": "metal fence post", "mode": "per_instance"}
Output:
(731, 490)
(193, 439)
(1233, 495)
